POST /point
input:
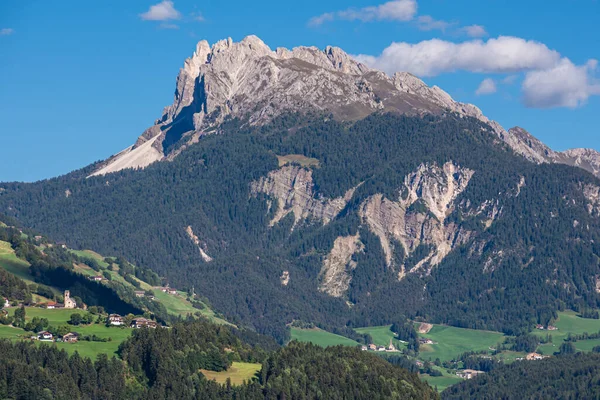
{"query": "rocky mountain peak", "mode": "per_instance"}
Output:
(247, 78)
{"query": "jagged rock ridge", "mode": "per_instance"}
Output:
(249, 79)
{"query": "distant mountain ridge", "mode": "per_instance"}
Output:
(249, 80)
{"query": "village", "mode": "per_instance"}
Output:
(97, 316)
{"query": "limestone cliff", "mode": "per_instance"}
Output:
(293, 189)
(335, 273)
(418, 215)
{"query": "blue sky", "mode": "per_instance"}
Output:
(81, 80)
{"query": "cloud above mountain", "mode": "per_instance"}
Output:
(564, 85)
(163, 11)
(397, 10)
(504, 54)
(551, 80)
(487, 86)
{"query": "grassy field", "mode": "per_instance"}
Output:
(238, 373)
(320, 337)
(60, 317)
(381, 335)
(451, 342)
(569, 322)
(14, 265)
(297, 159)
(441, 382)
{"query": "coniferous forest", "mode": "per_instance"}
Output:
(539, 256)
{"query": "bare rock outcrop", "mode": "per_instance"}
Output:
(198, 243)
(592, 196)
(293, 189)
(335, 275)
(418, 215)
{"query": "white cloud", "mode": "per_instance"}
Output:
(487, 86)
(428, 23)
(475, 31)
(6, 31)
(563, 85)
(432, 57)
(162, 11)
(396, 10)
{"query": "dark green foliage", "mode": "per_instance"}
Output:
(569, 377)
(28, 371)
(405, 330)
(547, 264)
(13, 288)
(306, 371)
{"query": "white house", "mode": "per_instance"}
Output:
(6, 303)
(115, 319)
(44, 335)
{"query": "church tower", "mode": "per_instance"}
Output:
(69, 302)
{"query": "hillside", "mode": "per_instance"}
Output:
(89, 265)
(457, 219)
(573, 376)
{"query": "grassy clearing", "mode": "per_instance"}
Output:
(451, 342)
(14, 265)
(90, 254)
(381, 335)
(569, 322)
(297, 159)
(238, 373)
(320, 337)
(441, 382)
(60, 317)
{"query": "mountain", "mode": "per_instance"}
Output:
(302, 185)
(248, 79)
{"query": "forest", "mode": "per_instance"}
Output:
(164, 364)
(575, 376)
(541, 261)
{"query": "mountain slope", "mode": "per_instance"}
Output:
(425, 216)
(249, 80)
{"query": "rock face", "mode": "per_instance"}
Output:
(335, 274)
(292, 188)
(248, 79)
(592, 195)
(535, 150)
(418, 216)
(192, 235)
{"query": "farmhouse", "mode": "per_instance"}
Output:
(538, 326)
(115, 319)
(469, 373)
(97, 278)
(552, 328)
(139, 293)
(534, 356)
(172, 291)
(143, 323)
(364, 348)
(372, 347)
(51, 305)
(71, 337)
(425, 341)
(44, 335)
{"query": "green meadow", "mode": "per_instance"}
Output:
(569, 322)
(60, 317)
(320, 337)
(381, 335)
(238, 373)
(449, 342)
